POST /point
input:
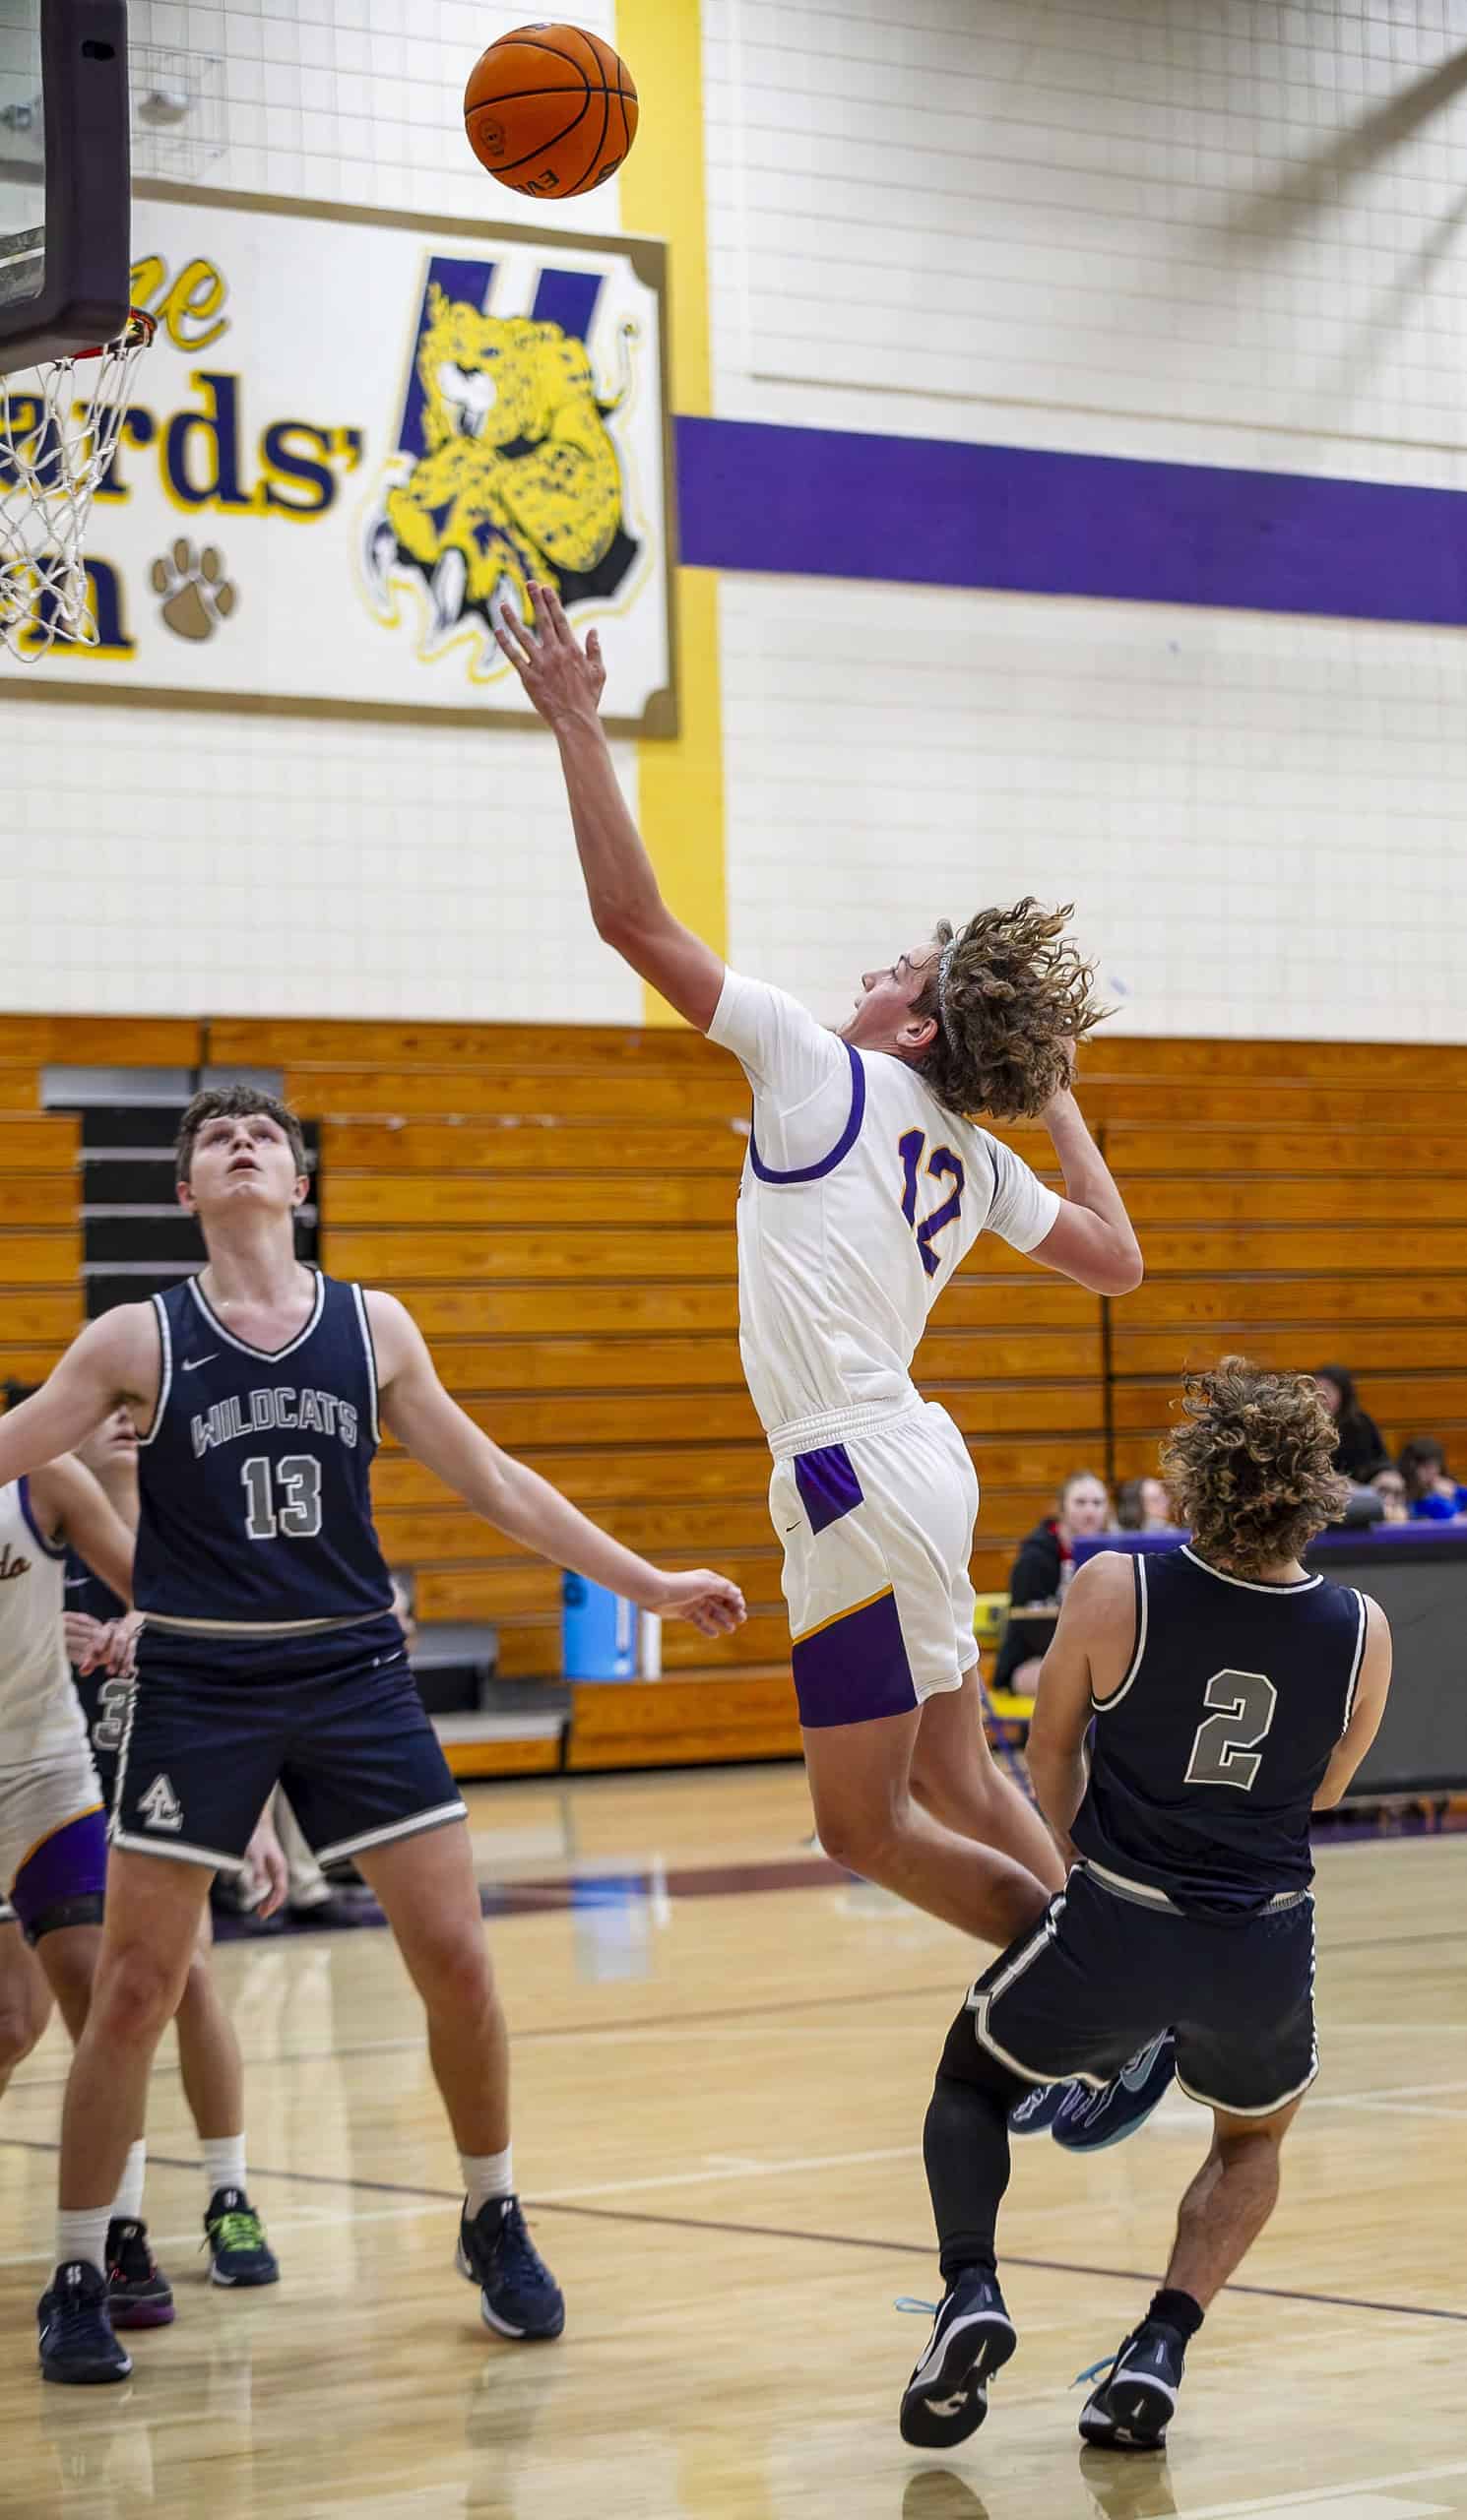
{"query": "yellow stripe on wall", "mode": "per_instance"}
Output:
(680, 784)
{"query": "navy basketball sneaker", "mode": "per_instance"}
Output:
(519, 2297)
(240, 2255)
(76, 2344)
(1088, 2121)
(973, 2337)
(139, 2294)
(1137, 2398)
(1035, 2113)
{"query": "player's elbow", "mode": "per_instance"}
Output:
(1125, 1270)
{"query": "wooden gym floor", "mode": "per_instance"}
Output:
(723, 2055)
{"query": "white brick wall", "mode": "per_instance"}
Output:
(1178, 228)
(1258, 820)
(1217, 230)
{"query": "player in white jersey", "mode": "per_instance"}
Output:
(864, 1187)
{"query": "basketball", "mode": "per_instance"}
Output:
(550, 112)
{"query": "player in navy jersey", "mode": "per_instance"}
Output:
(1227, 1694)
(269, 1653)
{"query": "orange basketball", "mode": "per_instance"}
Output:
(550, 112)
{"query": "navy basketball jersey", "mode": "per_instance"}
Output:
(255, 1473)
(1206, 1762)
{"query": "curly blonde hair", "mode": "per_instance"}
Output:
(1251, 1469)
(1014, 991)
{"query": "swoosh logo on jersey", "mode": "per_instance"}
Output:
(73, 1583)
(191, 1364)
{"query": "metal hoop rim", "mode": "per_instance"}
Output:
(136, 334)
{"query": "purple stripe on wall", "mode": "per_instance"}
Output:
(831, 503)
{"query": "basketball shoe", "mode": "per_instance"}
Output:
(1137, 2398)
(1088, 2121)
(519, 2297)
(1035, 2113)
(76, 2344)
(973, 2337)
(137, 2294)
(234, 2238)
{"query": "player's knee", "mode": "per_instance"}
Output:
(864, 1837)
(455, 1977)
(23, 2017)
(136, 1995)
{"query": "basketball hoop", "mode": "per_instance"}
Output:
(58, 435)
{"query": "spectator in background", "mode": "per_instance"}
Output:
(1143, 1505)
(1040, 1572)
(1390, 1488)
(1358, 1450)
(1433, 1495)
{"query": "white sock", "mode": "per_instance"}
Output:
(84, 2236)
(127, 2204)
(223, 2164)
(486, 2175)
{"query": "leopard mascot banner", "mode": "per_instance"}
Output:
(353, 444)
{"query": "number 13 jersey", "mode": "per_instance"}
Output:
(861, 1194)
(255, 1473)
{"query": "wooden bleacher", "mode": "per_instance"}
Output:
(556, 1205)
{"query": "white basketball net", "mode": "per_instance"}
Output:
(58, 434)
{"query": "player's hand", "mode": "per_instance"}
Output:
(564, 680)
(266, 1859)
(83, 1638)
(111, 1646)
(709, 1601)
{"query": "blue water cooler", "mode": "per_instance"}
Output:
(597, 1632)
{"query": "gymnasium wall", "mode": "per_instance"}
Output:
(1071, 457)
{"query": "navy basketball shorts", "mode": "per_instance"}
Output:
(104, 1705)
(1105, 1971)
(216, 1722)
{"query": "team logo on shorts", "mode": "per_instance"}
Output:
(160, 1805)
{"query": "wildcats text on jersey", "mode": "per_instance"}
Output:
(255, 1413)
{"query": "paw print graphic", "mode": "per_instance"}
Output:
(197, 595)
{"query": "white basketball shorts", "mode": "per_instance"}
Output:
(877, 1533)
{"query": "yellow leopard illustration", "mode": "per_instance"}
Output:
(519, 477)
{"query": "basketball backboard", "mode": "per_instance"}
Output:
(64, 196)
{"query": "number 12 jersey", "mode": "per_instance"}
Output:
(861, 1194)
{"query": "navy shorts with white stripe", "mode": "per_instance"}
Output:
(1112, 1964)
(218, 1721)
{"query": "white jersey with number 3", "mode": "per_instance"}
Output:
(861, 1194)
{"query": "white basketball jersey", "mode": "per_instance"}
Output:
(40, 1716)
(861, 1194)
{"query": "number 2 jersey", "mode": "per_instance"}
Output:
(1206, 1760)
(254, 1474)
(861, 1194)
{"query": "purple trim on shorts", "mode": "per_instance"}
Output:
(53, 1549)
(828, 1486)
(838, 1153)
(70, 1863)
(855, 1669)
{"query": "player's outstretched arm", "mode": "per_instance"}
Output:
(438, 1433)
(71, 1502)
(565, 682)
(1364, 1716)
(112, 1359)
